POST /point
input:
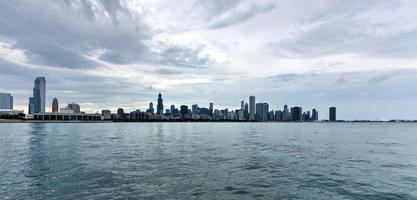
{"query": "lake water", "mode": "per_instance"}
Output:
(208, 161)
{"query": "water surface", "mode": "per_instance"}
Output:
(209, 161)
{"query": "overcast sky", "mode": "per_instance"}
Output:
(360, 56)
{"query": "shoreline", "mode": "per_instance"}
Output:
(3, 121)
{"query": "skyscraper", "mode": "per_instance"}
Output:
(172, 110)
(332, 114)
(74, 107)
(6, 101)
(120, 113)
(242, 105)
(150, 109)
(314, 115)
(262, 110)
(296, 113)
(160, 105)
(55, 105)
(194, 108)
(37, 101)
(184, 111)
(246, 112)
(211, 109)
(252, 108)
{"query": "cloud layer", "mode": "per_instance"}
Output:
(359, 56)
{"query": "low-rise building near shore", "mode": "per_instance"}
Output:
(12, 114)
(65, 117)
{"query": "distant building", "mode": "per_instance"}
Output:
(211, 109)
(332, 114)
(160, 105)
(246, 112)
(296, 113)
(120, 113)
(262, 112)
(252, 108)
(37, 101)
(314, 115)
(150, 109)
(278, 115)
(55, 105)
(184, 111)
(74, 107)
(242, 105)
(106, 114)
(6, 101)
(194, 108)
(66, 110)
(286, 115)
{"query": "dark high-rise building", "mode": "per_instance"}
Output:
(246, 112)
(296, 113)
(262, 110)
(183, 111)
(332, 114)
(55, 105)
(172, 110)
(150, 109)
(252, 108)
(37, 101)
(160, 105)
(314, 115)
(211, 109)
(242, 105)
(120, 113)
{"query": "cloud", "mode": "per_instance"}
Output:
(349, 29)
(240, 14)
(110, 54)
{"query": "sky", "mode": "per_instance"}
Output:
(360, 56)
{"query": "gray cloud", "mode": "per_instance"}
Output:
(344, 29)
(240, 15)
(109, 54)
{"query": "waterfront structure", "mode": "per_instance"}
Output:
(252, 108)
(55, 105)
(160, 105)
(74, 107)
(332, 114)
(65, 117)
(242, 105)
(37, 101)
(12, 114)
(211, 109)
(262, 112)
(6, 101)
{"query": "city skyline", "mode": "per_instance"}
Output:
(253, 111)
(357, 56)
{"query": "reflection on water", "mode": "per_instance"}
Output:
(208, 161)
